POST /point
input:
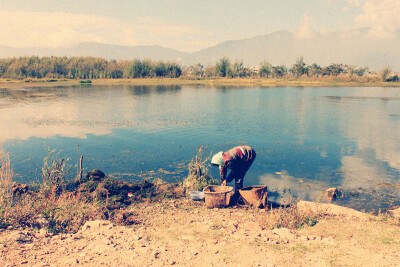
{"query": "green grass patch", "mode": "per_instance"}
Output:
(85, 81)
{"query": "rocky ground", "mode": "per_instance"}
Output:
(184, 232)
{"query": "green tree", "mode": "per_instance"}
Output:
(299, 68)
(333, 69)
(265, 70)
(314, 70)
(279, 71)
(160, 69)
(210, 71)
(385, 72)
(238, 69)
(223, 67)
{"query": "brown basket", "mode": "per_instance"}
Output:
(217, 196)
(255, 195)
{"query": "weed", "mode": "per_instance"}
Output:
(53, 174)
(199, 175)
(62, 211)
(6, 197)
(387, 240)
(70, 211)
(217, 226)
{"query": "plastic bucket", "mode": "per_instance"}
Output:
(196, 195)
(255, 195)
(217, 196)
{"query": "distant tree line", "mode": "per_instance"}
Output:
(98, 68)
(225, 68)
(85, 68)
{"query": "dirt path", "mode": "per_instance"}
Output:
(185, 233)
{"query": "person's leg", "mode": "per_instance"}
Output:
(239, 177)
(239, 182)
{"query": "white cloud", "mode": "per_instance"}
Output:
(40, 29)
(381, 16)
(323, 31)
(305, 32)
(355, 3)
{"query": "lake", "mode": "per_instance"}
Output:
(307, 139)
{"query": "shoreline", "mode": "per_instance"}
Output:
(160, 225)
(234, 82)
(182, 232)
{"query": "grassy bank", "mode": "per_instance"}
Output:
(84, 220)
(247, 82)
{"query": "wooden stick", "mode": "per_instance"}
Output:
(80, 168)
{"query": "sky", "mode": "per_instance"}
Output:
(185, 25)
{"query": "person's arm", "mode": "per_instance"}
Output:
(222, 172)
(231, 176)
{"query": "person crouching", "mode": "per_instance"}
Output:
(238, 160)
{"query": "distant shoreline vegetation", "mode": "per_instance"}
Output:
(98, 68)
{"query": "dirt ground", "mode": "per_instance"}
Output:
(183, 232)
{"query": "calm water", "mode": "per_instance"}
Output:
(306, 139)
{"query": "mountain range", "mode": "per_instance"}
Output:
(357, 47)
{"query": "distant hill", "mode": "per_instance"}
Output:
(354, 48)
(99, 50)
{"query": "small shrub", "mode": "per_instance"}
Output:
(394, 78)
(53, 174)
(64, 211)
(199, 175)
(68, 212)
(6, 197)
(85, 81)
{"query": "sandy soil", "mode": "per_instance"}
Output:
(183, 232)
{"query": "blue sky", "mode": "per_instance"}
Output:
(186, 25)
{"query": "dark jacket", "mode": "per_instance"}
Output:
(239, 160)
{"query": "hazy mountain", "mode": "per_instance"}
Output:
(354, 48)
(98, 50)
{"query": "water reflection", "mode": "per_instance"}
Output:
(73, 111)
(159, 89)
(307, 139)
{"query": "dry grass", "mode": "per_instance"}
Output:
(53, 174)
(199, 175)
(6, 197)
(57, 210)
(68, 212)
(289, 217)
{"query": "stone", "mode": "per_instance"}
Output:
(42, 233)
(71, 261)
(96, 224)
(63, 250)
(24, 237)
(285, 234)
(331, 209)
(18, 189)
(331, 194)
(95, 175)
(251, 227)
(135, 237)
(156, 254)
(179, 192)
(395, 212)
(40, 222)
